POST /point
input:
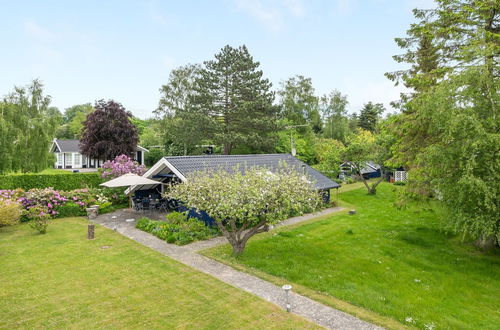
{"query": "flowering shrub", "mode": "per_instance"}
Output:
(10, 212)
(53, 201)
(47, 198)
(121, 165)
(39, 218)
(243, 205)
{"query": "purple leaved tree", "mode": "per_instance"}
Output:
(108, 132)
(122, 164)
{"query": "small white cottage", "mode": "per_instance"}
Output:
(68, 155)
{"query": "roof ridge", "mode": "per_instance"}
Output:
(218, 155)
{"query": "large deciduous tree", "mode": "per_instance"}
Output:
(334, 111)
(27, 126)
(72, 122)
(362, 148)
(243, 205)
(448, 134)
(329, 156)
(182, 127)
(233, 103)
(299, 103)
(108, 132)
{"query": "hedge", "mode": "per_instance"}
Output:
(65, 182)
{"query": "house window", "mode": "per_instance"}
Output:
(69, 160)
(77, 159)
(60, 159)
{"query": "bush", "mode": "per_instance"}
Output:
(69, 209)
(69, 203)
(177, 229)
(400, 183)
(10, 212)
(58, 181)
(39, 217)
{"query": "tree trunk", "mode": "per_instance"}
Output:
(486, 243)
(238, 248)
(227, 148)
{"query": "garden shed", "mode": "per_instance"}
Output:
(180, 168)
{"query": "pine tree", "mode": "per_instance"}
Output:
(232, 102)
(369, 116)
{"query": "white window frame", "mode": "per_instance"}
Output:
(60, 159)
(77, 160)
(69, 159)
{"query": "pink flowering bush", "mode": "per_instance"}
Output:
(121, 165)
(53, 201)
(39, 217)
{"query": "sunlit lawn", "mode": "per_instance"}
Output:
(391, 263)
(63, 280)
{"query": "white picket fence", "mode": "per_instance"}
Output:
(400, 176)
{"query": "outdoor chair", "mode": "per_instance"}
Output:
(136, 204)
(145, 205)
(154, 204)
(163, 206)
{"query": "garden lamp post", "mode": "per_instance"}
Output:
(287, 288)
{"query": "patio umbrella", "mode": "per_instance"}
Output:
(128, 180)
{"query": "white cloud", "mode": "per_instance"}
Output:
(38, 32)
(156, 15)
(271, 18)
(271, 14)
(345, 7)
(295, 7)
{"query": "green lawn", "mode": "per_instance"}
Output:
(61, 280)
(381, 264)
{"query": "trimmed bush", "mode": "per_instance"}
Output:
(400, 183)
(69, 209)
(177, 229)
(10, 212)
(58, 181)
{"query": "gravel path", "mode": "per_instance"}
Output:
(316, 312)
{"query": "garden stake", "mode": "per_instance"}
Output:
(90, 232)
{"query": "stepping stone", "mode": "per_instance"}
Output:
(130, 220)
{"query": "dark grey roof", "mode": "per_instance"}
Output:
(74, 146)
(68, 145)
(370, 167)
(189, 164)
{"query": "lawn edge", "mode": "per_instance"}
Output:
(322, 297)
(318, 296)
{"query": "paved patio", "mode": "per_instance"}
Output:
(316, 312)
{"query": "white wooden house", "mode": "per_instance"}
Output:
(68, 155)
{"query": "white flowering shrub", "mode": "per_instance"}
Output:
(243, 205)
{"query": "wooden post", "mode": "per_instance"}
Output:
(90, 232)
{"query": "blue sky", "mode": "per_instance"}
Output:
(124, 50)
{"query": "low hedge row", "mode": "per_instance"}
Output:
(64, 181)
